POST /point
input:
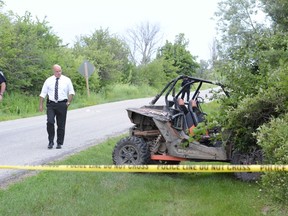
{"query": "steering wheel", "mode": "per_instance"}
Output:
(200, 99)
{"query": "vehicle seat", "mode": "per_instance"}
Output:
(196, 113)
(179, 104)
(182, 106)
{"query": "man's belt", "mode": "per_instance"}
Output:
(62, 101)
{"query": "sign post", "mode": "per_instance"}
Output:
(87, 78)
(86, 69)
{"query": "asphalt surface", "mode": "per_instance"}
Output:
(24, 141)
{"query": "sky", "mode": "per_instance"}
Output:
(72, 18)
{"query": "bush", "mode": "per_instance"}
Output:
(151, 74)
(273, 138)
(251, 113)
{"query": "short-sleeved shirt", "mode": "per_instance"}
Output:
(65, 88)
(2, 77)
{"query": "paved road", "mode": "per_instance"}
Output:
(24, 141)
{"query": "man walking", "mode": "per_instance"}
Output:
(186, 88)
(2, 85)
(60, 93)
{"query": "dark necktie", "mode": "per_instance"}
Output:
(56, 90)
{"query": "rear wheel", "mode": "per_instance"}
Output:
(131, 150)
(253, 157)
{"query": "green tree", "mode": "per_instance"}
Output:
(7, 37)
(204, 71)
(241, 47)
(248, 50)
(70, 65)
(252, 59)
(107, 53)
(151, 74)
(176, 55)
(278, 12)
(28, 50)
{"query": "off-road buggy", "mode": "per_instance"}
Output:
(161, 134)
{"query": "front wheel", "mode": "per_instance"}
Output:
(131, 151)
(253, 157)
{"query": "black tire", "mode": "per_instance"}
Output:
(131, 151)
(254, 157)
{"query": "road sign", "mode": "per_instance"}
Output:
(86, 69)
(86, 66)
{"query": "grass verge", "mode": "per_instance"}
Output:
(79, 193)
(17, 105)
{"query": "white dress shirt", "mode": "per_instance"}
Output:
(65, 88)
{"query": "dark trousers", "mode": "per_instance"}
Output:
(58, 110)
(187, 91)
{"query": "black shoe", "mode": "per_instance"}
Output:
(50, 145)
(58, 146)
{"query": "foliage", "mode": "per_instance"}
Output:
(169, 68)
(205, 71)
(178, 56)
(278, 12)
(172, 60)
(251, 113)
(145, 74)
(124, 91)
(18, 105)
(211, 123)
(28, 49)
(249, 61)
(241, 60)
(106, 52)
(253, 63)
(273, 138)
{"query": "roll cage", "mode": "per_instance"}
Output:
(170, 89)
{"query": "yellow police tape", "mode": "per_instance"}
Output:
(155, 168)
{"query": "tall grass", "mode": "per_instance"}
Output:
(17, 105)
(110, 93)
